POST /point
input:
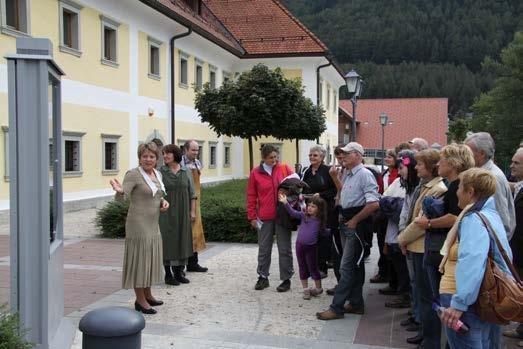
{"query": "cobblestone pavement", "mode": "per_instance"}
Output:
(218, 309)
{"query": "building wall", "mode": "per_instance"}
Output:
(99, 99)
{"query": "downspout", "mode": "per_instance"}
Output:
(173, 85)
(318, 90)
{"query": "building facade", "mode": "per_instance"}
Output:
(131, 68)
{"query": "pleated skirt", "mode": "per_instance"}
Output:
(143, 261)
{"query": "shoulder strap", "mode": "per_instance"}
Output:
(493, 236)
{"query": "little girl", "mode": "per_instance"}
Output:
(312, 223)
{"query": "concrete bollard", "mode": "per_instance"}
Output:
(112, 328)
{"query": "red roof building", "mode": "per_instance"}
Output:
(408, 118)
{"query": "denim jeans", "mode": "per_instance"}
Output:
(434, 279)
(415, 302)
(352, 271)
(478, 336)
(430, 323)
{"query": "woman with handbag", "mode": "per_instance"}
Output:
(467, 250)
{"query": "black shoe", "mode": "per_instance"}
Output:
(138, 307)
(331, 291)
(408, 321)
(414, 327)
(169, 277)
(261, 283)
(284, 286)
(179, 276)
(389, 291)
(154, 303)
(415, 340)
(398, 303)
(197, 268)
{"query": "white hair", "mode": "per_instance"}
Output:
(319, 149)
(483, 142)
(519, 150)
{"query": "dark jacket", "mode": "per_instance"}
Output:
(516, 243)
(435, 237)
(391, 207)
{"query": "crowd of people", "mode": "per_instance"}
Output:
(435, 213)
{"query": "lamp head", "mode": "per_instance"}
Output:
(384, 118)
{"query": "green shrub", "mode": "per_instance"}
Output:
(224, 213)
(111, 219)
(223, 209)
(11, 331)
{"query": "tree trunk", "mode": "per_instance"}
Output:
(250, 155)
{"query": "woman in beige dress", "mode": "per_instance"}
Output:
(142, 264)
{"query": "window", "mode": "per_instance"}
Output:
(184, 70)
(109, 41)
(154, 58)
(72, 156)
(5, 129)
(198, 74)
(70, 27)
(212, 76)
(226, 155)
(328, 97)
(212, 155)
(110, 154)
(334, 101)
(15, 17)
(227, 76)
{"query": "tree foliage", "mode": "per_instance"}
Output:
(422, 48)
(500, 111)
(261, 102)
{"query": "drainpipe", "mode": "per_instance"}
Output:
(173, 84)
(318, 90)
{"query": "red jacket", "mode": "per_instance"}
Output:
(262, 191)
(393, 174)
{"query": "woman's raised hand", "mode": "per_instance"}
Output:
(117, 186)
(282, 198)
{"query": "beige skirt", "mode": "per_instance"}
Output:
(143, 261)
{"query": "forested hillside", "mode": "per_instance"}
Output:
(410, 48)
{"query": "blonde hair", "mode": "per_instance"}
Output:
(479, 179)
(459, 156)
(151, 146)
(430, 158)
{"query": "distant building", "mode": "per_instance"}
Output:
(408, 118)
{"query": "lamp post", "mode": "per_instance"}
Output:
(383, 121)
(354, 85)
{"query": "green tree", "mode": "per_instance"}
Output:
(500, 111)
(261, 102)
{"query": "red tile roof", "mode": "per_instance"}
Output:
(408, 118)
(265, 27)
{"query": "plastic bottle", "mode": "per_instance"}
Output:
(459, 326)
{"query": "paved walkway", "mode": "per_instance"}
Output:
(218, 309)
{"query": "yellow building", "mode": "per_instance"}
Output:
(131, 67)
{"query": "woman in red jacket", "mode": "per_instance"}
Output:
(262, 199)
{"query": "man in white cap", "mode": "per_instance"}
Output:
(359, 198)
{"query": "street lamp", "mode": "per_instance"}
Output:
(354, 85)
(383, 121)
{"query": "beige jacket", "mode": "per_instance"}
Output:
(413, 236)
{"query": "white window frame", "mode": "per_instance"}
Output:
(109, 138)
(6, 29)
(225, 147)
(213, 70)
(74, 137)
(5, 130)
(212, 164)
(157, 44)
(198, 63)
(183, 56)
(75, 8)
(111, 24)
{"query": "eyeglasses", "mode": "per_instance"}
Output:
(313, 155)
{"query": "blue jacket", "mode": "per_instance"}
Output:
(474, 242)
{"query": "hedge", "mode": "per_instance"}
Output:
(11, 331)
(222, 206)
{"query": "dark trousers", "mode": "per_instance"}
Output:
(352, 270)
(430, 322)
(399, 265)
(336, 251)
(434, 279)
(324, 252)
(383, 263)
